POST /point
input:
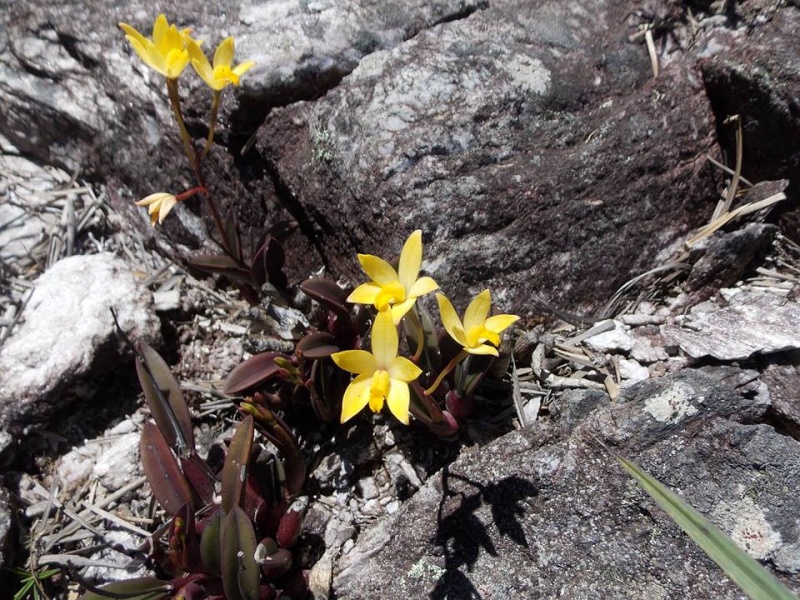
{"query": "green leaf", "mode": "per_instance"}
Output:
(241, 576)
(754, 580)
(142, 588)
(163, 395)
(210, 544)
(234, 472)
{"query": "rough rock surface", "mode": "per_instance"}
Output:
(507, 154)
(751, 323)
(68, 334)
(532, 515)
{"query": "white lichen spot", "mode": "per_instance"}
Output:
(529, 73)
(672, 405)
(425, 570)
(746, 524)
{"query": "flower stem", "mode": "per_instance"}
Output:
(450, 366)
(434, 412)
(194, 161)
(212, 123)
(175, 101)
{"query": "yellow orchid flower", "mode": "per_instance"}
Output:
(166, 52)
(396, 289)
(220, 75)
(382, 375)
(477, 331)
(158, 206)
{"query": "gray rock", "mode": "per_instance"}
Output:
(68, 335)
(726, 256)
(526, 141)
(75, 95)
(754, 75)
(537, 517)
(572, 406)
(752, 323)
(783, 382)
(6, 534)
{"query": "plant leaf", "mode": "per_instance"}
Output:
(234, 472)
(252, 372)
(754, 580)
(268, 264)
(327, 293)
(199, 476)
(319, 344)
(163, 395)
(232, 235)
(211, 545)
(141, 588)
(221, 265)
(240, 573)
(165, 477)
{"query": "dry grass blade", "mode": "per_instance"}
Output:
(651, 50)
(727, 217)
(726, 206)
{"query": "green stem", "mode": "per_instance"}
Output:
(212, 123)
(194, 161)
(450, 366)
(175, 101)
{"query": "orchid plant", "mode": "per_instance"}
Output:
(231, 533)
(169, 51)
(415, 385)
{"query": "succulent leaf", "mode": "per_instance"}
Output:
(234, 473)
(165, 477)
(141, 588)
(252, 372)
(164, 398)
(241, 576)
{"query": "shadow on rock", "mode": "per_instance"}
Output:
(461, 534)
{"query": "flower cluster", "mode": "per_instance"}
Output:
(382, 375)
(169, 51)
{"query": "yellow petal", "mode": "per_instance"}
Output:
(166, 206)
(384, 339)
(410, 259)
(404, 370)
(132, 33)
(223, 56)
(398, 400)
(355, 361)
(483, 349)
(160, 28)
(356, 397)
(500, 323)
(391, 293)
(400, 310)
(422, 286)
(199, 60)
(478, 310)
(366, 293)
(377, 269)
(244, 67)
(450, 320)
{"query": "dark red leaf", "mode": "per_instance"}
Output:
(163, 395)
(162, 471)
(252, 372)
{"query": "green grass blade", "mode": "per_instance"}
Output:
(754, 580)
